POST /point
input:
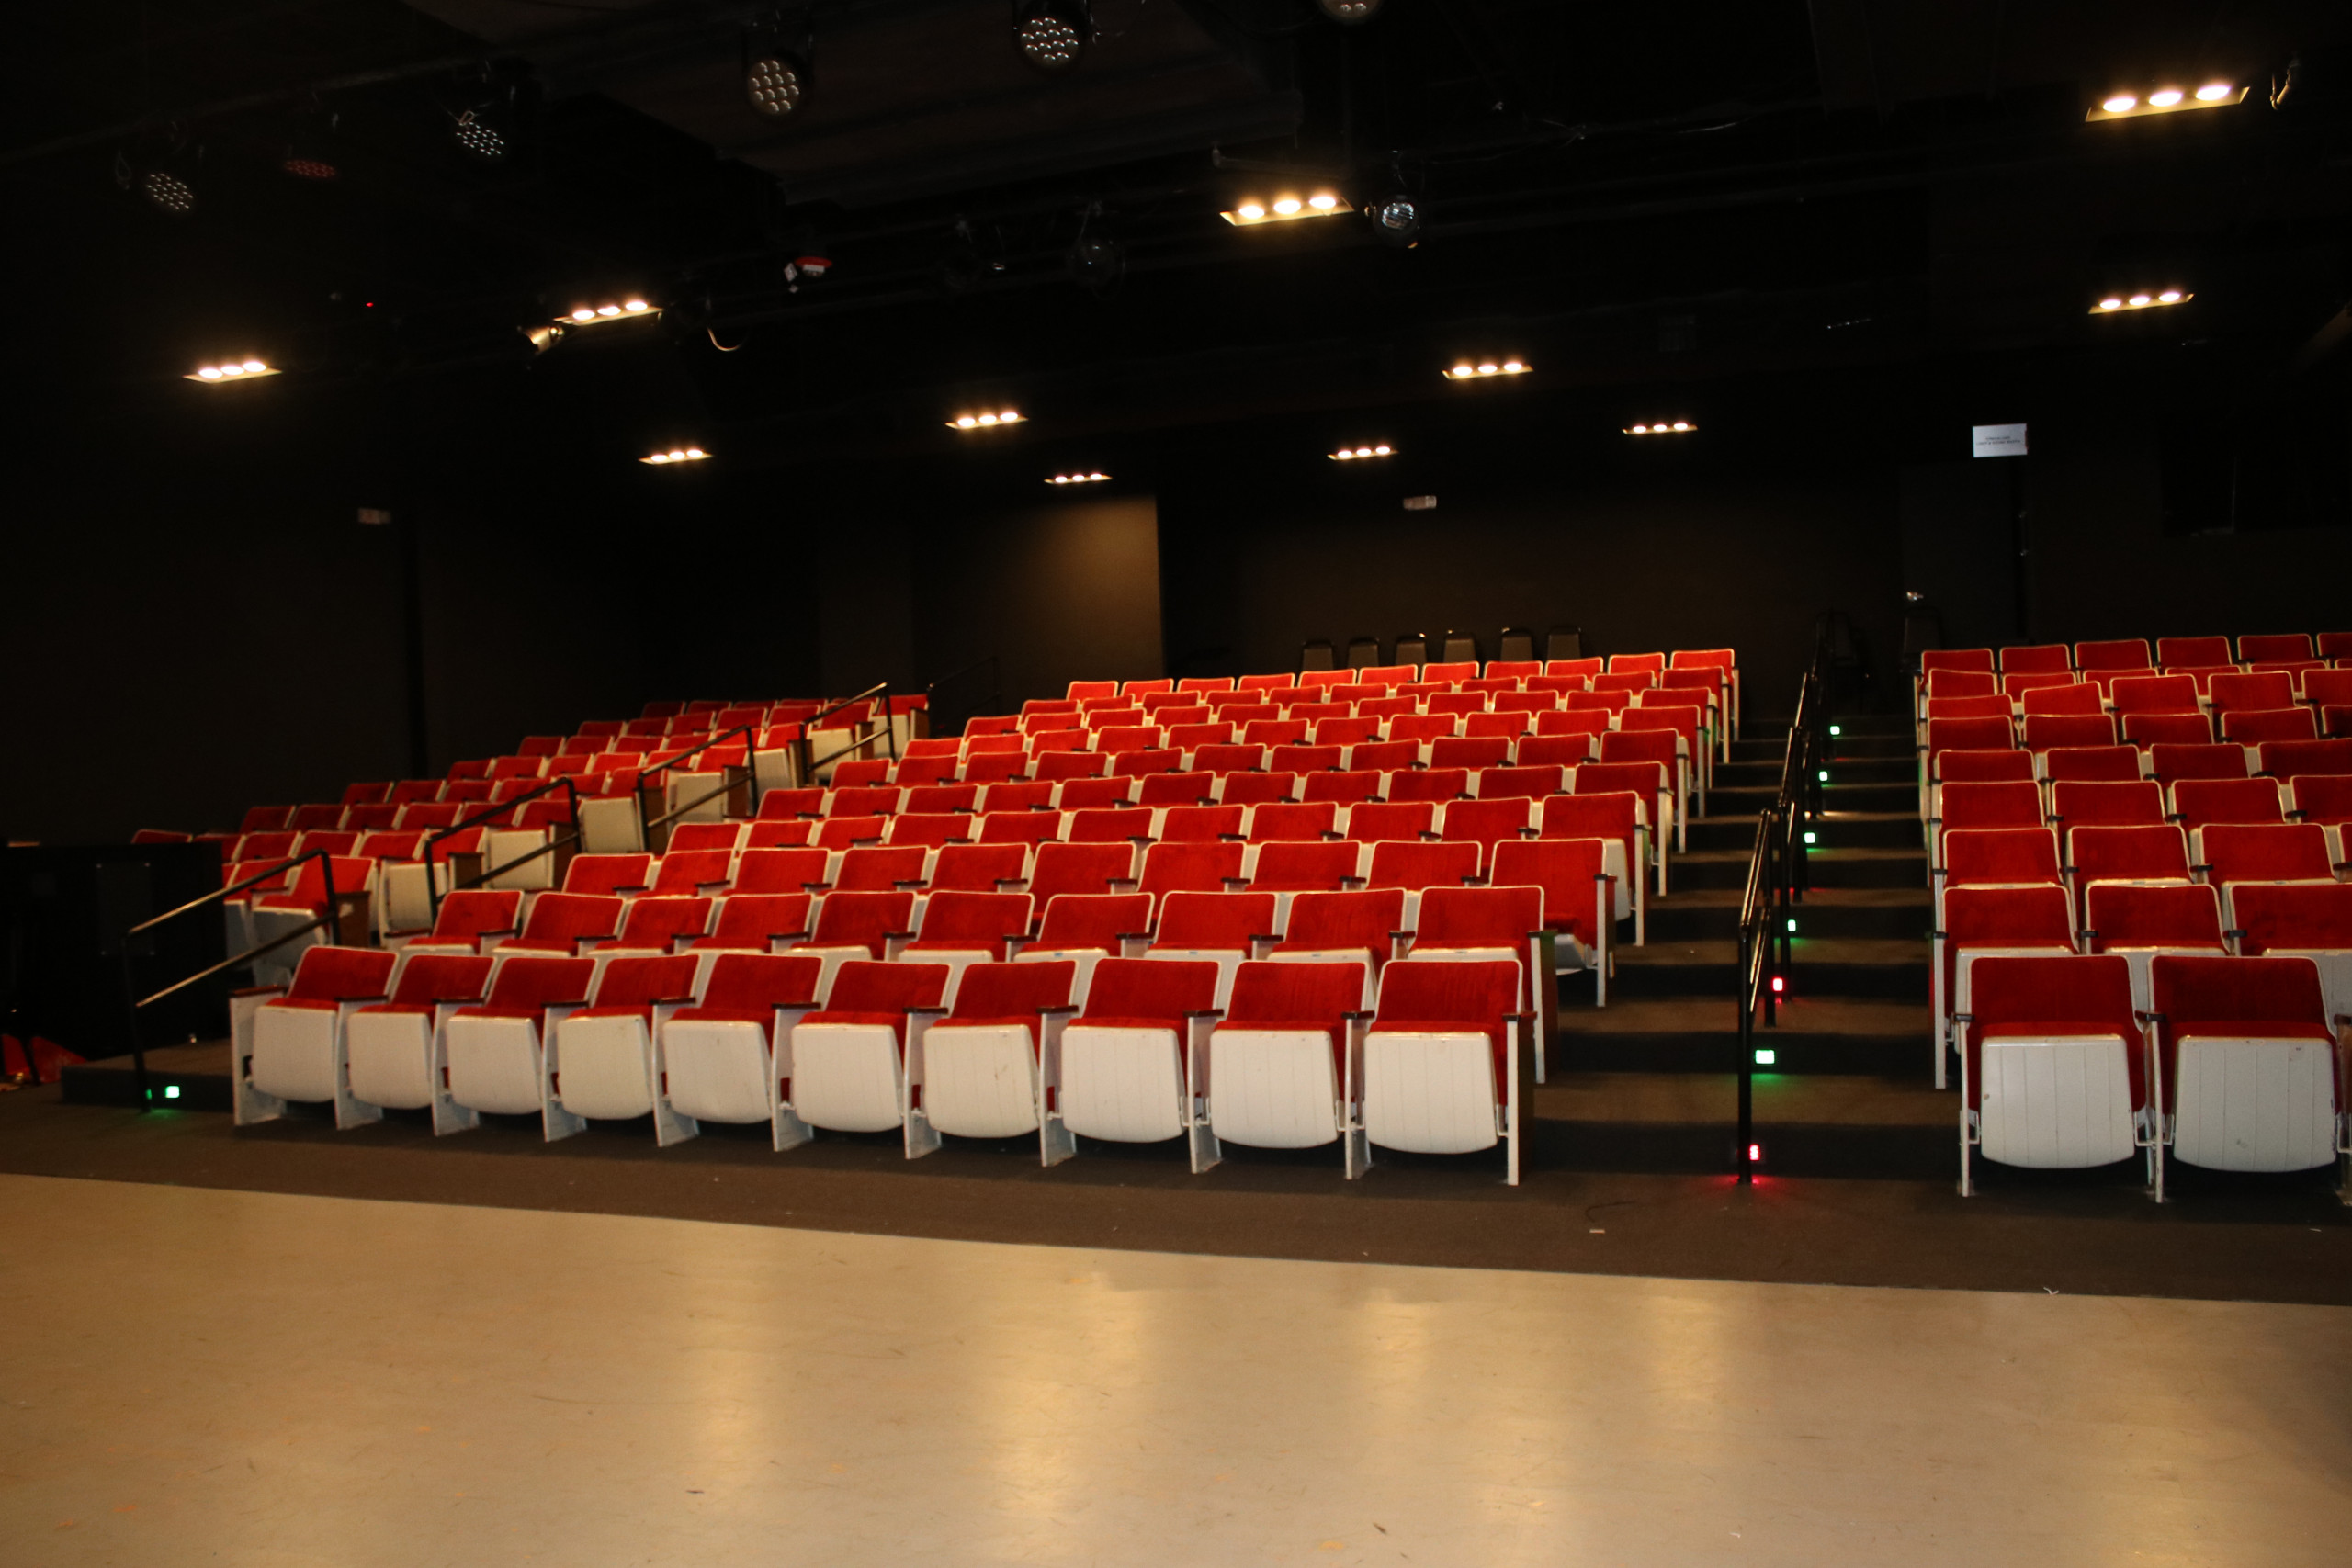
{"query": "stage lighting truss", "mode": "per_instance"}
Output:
(1663, 427)
(992, 420)
(1084, 479)
(1484, 369)
(2130, 104)
(232, 370)
(1052, 34)
(2140, 300)
(676, 454)
(1351, 454)
(1285, 207)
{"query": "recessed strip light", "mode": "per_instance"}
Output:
(2141, 300)
(1663, 427)
(1349, 453)
(1284, 207)
(677, 454)
(987, 421)
(2129, 105)
(1085, 478)
(230, 370)
(1478, 369)
(587, 315)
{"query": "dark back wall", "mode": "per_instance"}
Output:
(202, 624)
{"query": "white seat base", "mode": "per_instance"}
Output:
(1430, 1092)
(390, 1059)
(717, 1069)
(2059, 1103)
(2251, 1104)
(979, 1082)
(1124, 1086)
(494, 1064)
(846, 1076)
(602, 1067)
(1273, 1088)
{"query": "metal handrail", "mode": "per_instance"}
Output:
(809, 763)
(996, 688)
(138, 1042)
(750, 734)
(1778, 878)
(493, 810)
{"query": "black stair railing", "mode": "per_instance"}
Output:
(1777, 882)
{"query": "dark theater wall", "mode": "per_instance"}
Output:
(200, 623)
(1657, 552)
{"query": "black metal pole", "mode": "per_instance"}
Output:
(1746, 1060)
(412, 636)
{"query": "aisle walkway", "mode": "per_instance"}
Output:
(197, 1376)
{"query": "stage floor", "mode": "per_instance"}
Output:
(200, 1376)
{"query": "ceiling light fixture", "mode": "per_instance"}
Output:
(230, 370)
(2167, 99)
(1662, 427)
(477, 137)
(1349, 453)
(1051, 34)
(1396, 220)
(308, 155)
(989, 421)
(1285, 207)
(775, 80)
(676, 455)
(1349, 11)
(2141, 300)
(1478, 369)
(629, 308)
(1088, 479)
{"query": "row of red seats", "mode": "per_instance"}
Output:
(1134, 1051)
(2074, 1060)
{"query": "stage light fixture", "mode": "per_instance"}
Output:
(987, 421)
(1662, 427)
(2141, 300)
(1476, 370)
(676, 455)
(477, 137)
(629, 308)
(1396, 220)
(1350, 453)
(1286, 206)
(775, 80)
(230, 370)
(1052, 34)
(167, 192)
(2127, 104)
(1085, 479)
(1349, 11)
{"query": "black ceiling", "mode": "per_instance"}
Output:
(1628, 195)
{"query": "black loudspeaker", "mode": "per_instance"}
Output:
(63, 913)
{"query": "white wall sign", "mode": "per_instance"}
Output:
(1996, 440)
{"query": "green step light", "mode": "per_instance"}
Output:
(171, 1091)
(1766, 1057)
(1833, 731)
(1825, 775)
(1792, 927)
(1811, 839)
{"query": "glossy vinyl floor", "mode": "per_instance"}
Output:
(201, 1376)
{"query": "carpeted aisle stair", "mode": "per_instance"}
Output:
(1646, 1082)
